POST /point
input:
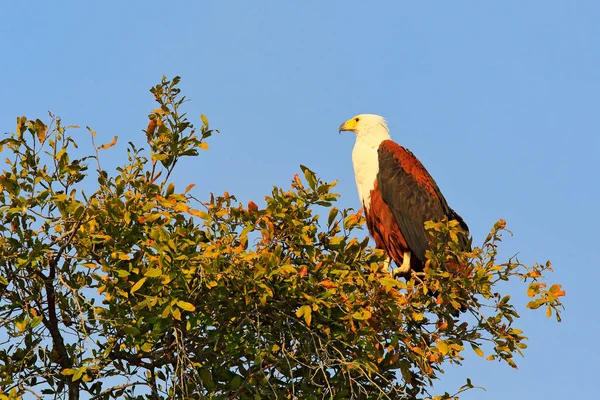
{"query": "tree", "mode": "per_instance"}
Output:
(133, 289)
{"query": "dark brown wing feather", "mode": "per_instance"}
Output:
(412, 195)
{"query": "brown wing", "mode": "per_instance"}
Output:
(412, 196)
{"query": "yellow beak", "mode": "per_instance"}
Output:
(349, 125)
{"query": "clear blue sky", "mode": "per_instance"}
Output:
(500, 100)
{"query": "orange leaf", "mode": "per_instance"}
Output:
(303, 272)
(109, 145)
(328, 284)
(151, 127)
(252, 207)
(297, 180)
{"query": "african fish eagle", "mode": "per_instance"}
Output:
(397, 194)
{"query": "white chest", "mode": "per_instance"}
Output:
(366, 166)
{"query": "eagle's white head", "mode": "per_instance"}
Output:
(370, 129)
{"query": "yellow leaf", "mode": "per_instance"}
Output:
(305, 311)
(477, 350)
(204, 146)
(138, 285)
(443, 346)
(362, 315)
(21, 325)
(146, 347)
(181, 207)
(308, 315)
(67, 371)
(184, 305)
(199, 214)
(176, 314)
(153, 273)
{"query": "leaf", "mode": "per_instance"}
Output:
(362, 315)
(333, 213)
(146, 347)
(389, 283)
(67, 371)
(78, 374)
(184, 305)
(181, 207)
(35, 321)
(303, 271)
(204, 120)
(305, 311)
(176, 314)
(41, 130)
(109, 145)
(235, 382)
(555, 290)
(443, 346)
(199, 214)
(309, 176)
(477, 350)
(204, 146)
(153, 273)
(138, 285)
(206, 378)
(60, 197)
(328, 284)
(534, 305)
(170, 189)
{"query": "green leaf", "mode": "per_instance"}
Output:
(206, 378)
(333, 213)
(78, 373)
(131, 330)
(235, 382)
(310, 177)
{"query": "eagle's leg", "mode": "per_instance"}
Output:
(386, 264)
(405, 267)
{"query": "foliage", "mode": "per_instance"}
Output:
(128, 288)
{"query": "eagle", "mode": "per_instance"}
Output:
(397, 194)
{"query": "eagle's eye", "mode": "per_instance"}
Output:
(356, 119)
